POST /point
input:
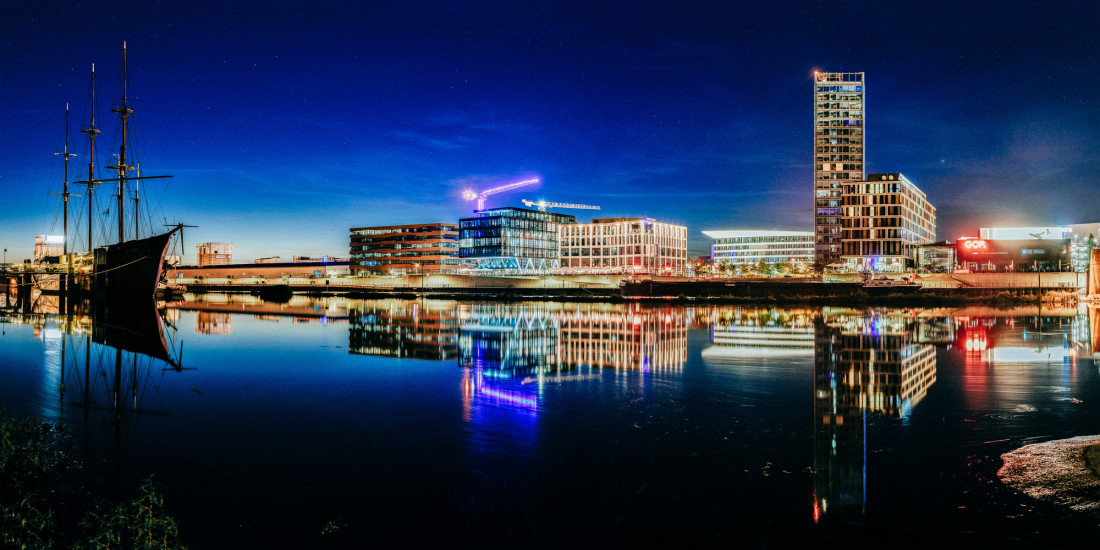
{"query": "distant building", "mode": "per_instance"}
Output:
(404, 249)
(271, 260)
(623, 245)
(746, 247)
(838, 154)
(885, 218)
(1077, 234)
(313, 259)
(511, 240)
(254, 273)
(48, 246)
(215, 254)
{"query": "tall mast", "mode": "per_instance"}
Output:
(123, 111)
(91, 130)
(65, 190)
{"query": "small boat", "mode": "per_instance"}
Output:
(884, 282)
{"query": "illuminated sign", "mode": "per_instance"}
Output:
(974, 245)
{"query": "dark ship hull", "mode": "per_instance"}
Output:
(131, 270)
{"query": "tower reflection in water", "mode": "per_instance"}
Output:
(865, 362)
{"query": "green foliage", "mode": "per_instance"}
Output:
(29, 455)
(36, 497)
(140, 524)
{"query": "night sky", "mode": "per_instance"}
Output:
(286, 123)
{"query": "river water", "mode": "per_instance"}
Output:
(350, 423)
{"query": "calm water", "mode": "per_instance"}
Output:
(587, 425)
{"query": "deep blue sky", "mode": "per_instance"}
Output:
(286, 123)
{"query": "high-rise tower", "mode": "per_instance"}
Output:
(838, 154)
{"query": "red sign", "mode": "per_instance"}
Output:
(974, 245)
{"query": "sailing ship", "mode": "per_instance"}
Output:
(132, 268)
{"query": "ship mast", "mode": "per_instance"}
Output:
(65, 191)
(91, 130)
(123, 111)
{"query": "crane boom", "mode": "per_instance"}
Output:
(543, 205)
(470, 195)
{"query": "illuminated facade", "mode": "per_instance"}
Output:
(885, 219)
(1012, 255)
(623, 245)
(511, 240)
(750, 247)
(838, 154)
(404, 249)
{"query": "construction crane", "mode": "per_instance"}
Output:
(470, 195)
(543, 205)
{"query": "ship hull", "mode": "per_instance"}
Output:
(131, 270)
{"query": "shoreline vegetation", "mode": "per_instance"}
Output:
(45, 504)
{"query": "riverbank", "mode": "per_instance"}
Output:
(698, 291)
(1066, 472)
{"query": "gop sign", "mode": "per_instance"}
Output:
(974, 245)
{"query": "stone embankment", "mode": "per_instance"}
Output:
(933, 290)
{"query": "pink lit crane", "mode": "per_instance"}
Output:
(470, 195)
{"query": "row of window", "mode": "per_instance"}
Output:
(617, 251)
(396, 231)
(838, 132)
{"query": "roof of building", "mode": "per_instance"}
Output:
(742, 233)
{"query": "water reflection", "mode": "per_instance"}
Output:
(758, 333)
(864, 362)
(882, 363)
(102, 361)
(424, 329)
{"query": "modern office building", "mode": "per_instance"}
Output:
(838, 154)
(508, 240)
(404, 249)
(885, 218)
(215, 254)
(623, 245)
(747, 247)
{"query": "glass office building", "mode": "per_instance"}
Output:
(511, 241)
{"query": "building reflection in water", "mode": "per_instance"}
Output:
(758, 333)
(865, 362)
(423, 329)
(511, 353)
(625, 338)
(213, 322)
